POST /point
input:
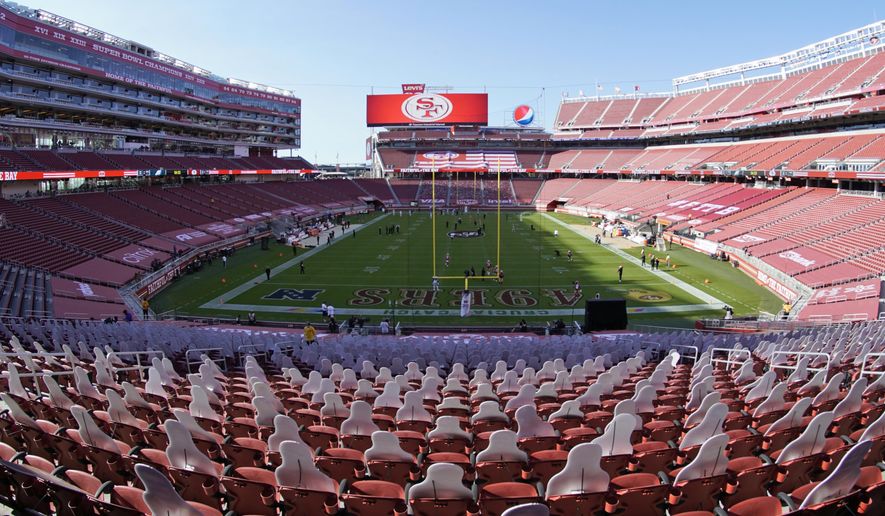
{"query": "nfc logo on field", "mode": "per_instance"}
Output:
(427, 108)
(295, 294)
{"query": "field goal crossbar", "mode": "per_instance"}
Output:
(433, 229)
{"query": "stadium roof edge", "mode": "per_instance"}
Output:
(133, 46)
(847, 45)
(853, 39)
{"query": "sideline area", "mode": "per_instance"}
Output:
(694, 291)
(218, 302)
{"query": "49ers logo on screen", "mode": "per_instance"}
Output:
(427, 108)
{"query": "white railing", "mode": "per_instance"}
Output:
(731, 354)
(693, 357)
(249, 347)
(863, 367)
(799, 355)
(138, 364)
(41, 374)
(650, 346)
(208, 352)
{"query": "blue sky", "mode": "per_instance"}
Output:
(332, 53)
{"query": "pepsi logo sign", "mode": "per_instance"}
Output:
(523, 115)
(427, 108)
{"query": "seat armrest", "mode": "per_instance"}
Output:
(785, 499)
(105, 488)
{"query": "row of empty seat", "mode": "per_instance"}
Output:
(627, 424)
(849, 80)
(814, 234)
(825, 152)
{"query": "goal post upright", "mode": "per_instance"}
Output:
(433, 210)
(498, 257)
(433, 223)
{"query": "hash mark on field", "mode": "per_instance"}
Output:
(383, 257)
(371, 270)
(559, 270)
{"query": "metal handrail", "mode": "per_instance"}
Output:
(278, 346)
(800, 354)
(137, 355)
(694, 358)
(730, 352)
(863, 367)
(36, 354)
(253, 347)
(70, 372)
(200, 350)
(648, 344)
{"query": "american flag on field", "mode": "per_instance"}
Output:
(490, 160)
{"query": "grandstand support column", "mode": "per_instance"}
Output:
(377, 164)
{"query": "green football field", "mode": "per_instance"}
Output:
(377, 276)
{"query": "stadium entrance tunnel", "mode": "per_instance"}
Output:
(372, 203)
(556, 203)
